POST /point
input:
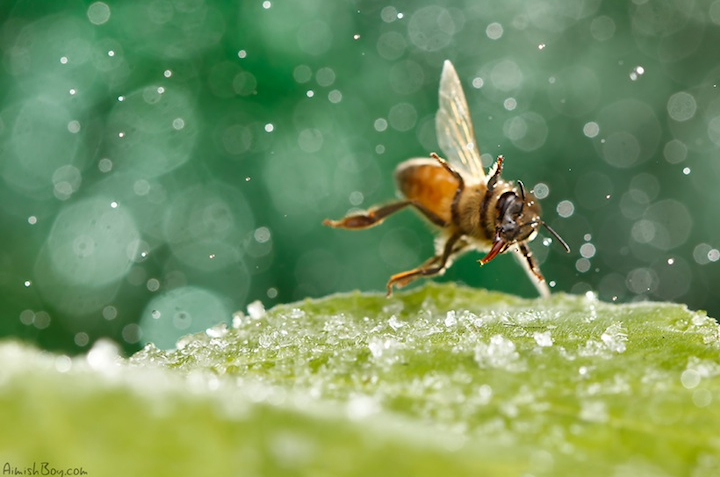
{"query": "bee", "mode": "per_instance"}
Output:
(472, 210)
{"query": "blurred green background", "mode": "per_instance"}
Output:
(167, 162)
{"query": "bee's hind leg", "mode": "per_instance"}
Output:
(433, 266)
(376, 215)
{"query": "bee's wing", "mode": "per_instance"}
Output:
(454, 128)
(541, 286)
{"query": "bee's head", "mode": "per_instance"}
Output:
(518, 220)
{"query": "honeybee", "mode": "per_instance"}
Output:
(471, 209)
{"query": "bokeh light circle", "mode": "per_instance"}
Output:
(89, 240)
(527, 131)
(206, 226)
(432, 28)
(180, 312)
(630, 133)
(142, 137)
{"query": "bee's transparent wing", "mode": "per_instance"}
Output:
(454, 127)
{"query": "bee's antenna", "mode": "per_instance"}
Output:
(522, 195)
(559, 239)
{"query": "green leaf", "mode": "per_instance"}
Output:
(441, 380)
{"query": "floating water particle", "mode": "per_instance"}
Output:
(541, 190)
(510, 104)
(335, 96)
(310, 93)
(389, 14)
(27, 283)
(681, 106)
(256, 310)
(167, 73)
(74, 126)
(131, 333)
(636, 73)
(242, 54)
(565, 209)
(63, 60)
(675, 151)
(42, 320)
(262, 234)
(380, 124)
(713, 255)
(272, 292)
(702, 397)
(356, 37)
(269, 127)
(98, 13)
(541, 46)
(686, 171)
(478, 83)
(63, 363)
(266, 4)
(111, 53)
(72, 91)
(547, 241)
(494, 31)
(81, 339)
(32, 220)
(670, 261)
(690, 378)
(109, 312)
(591, 129)
(543, 339)
(587, 250)
(153, 284)
(582, 265)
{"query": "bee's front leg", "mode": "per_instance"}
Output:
(434, 266)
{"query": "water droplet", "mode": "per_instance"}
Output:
(494, 31)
